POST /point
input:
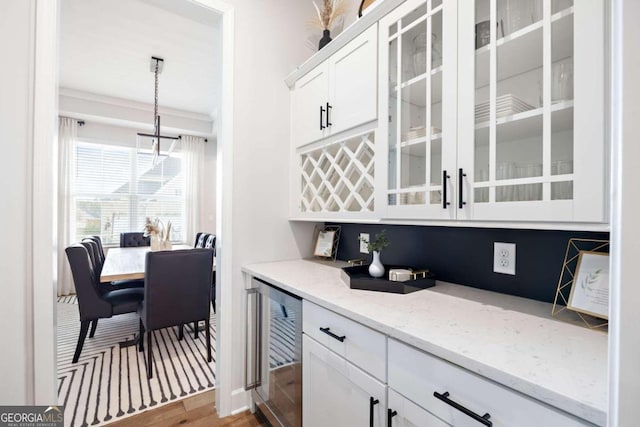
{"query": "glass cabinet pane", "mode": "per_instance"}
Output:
(415, 106)
(523, 148)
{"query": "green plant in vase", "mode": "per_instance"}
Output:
(379, 242)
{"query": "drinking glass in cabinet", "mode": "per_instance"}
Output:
(516, 14)
(420, 54)
(562, 81)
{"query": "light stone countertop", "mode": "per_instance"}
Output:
(513, 341)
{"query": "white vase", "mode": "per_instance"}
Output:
(376, 269)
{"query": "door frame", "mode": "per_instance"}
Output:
(43, 249)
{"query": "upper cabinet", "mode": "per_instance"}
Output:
(488, 110)
(418, 95)
(339, 94)
(531, 141)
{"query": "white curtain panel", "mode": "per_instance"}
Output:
(66, 152)
(193, 156)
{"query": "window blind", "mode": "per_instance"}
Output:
(116, 188)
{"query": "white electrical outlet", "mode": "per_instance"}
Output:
(364, 241)
(504, 258)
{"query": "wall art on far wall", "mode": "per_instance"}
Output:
(590, 288)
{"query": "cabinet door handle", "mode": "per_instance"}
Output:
(461, 175)
(372, 403)
(329, 107)
(481, 419)
(321, 121)
(332, 335)
(445, 203)
(390, 414)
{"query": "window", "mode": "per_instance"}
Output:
(116, 188)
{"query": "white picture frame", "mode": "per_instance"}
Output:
(590, 287)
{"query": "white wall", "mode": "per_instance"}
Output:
(269, 39)
(17, 18)
(624, 339)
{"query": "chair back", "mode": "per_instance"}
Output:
(205, 240)
(129, 240)
(90, 304)
(176, 287)
(98, 241)
(92, 250)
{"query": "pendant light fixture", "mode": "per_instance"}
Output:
(156, 66)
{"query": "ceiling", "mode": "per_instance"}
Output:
(106, 46)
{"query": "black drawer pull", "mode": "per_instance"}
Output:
(481, 419)
(372, 403)
(390, 414)
(322, 126)
(329, 107)
(332, 335)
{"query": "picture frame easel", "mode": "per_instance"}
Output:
(325, 242)
(560, 310)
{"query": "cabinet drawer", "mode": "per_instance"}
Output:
(418, 375)
(362, 346)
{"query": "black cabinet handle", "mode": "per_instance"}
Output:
(372, 403)
(332, 335)
(461, 175)
(444, 189)
(481, 419)
(329, 107)
(390, 414)
(321, 122)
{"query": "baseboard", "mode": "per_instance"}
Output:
(239, 401)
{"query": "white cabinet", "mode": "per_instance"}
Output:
(337, 393)
(461, 398)
(405, 413)
(339, 94)
(496, 112)
(418, 94)
(308, 109)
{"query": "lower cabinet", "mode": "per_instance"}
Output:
(337, 393)
(462, 398)
(404, 413)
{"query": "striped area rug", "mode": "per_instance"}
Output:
(109, 383)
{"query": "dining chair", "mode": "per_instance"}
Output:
(98, 241)
(93, 305)
(134, 239)
(97, 260)
(208, 241)
(176, 292)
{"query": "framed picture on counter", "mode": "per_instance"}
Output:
(590, 288)
(325, 243)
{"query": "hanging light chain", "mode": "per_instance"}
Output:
(155, 100)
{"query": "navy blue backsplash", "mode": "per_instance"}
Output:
(465, 255)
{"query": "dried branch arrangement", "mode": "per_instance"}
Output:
(327, 13)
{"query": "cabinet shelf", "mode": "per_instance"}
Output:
(418, 85)
(527, 124)
(523, 49)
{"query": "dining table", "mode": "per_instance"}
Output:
(128, 263)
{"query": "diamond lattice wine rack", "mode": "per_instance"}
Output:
(339, 177)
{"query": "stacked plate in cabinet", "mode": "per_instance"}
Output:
(506, 105)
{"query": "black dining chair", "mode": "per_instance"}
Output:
(208, 241)
(176, 292)
(97, 259)
(93, 305)
(130, 240)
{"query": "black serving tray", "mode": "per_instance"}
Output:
(358, 277)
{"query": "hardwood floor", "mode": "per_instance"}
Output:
(193, 411)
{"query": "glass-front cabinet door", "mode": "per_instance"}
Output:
(417, 108)
(531, 115)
